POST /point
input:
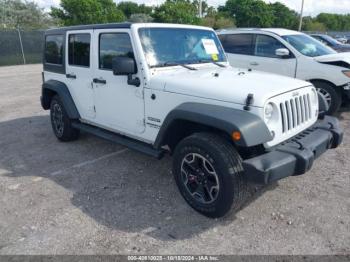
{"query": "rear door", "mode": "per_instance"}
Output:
(265, 58)
(239, 49)
(79, 71)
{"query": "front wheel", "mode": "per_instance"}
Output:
(209, 174)
(330, 95)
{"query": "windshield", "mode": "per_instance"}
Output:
(171, 46)
(308, 46)
(331, 40)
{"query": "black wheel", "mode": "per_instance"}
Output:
(330, 95)
(208, 172)
(61, 124)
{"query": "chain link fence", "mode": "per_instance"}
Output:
(19, 47)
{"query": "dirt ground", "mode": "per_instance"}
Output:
(95, 197)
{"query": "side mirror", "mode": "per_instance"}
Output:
(282, 52)
(123, 65)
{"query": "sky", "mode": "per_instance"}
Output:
(312, 7)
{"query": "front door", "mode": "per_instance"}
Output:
(79, 71)
(265, 58)
(238, 48)
(119, 106)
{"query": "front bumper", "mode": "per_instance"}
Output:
(295, 156)
(347, 93)
(346, 90)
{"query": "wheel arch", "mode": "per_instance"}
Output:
(189, 118)
(315, 80)
(53, 87)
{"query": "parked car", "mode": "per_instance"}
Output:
(224, 126)
(331, 42)
(341, 39)
(292, 54)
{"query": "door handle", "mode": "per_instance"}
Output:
(99, 81)
(71, 76)
(254, 63)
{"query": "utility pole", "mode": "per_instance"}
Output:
(301, 15)
(200, 8)
(21, 44)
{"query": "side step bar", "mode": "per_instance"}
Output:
(119, 139)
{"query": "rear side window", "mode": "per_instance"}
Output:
(239, 44)
(54, 49)
(266, 46)
(79, 50)
(113, 45)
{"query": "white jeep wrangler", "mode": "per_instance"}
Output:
(161, 87)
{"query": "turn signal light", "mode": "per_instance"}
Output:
(236, 136)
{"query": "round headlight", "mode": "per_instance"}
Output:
(268, 111)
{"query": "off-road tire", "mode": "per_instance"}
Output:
(64, 130)
(335, 96)
(228, 166)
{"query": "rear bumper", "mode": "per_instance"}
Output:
(296, 156)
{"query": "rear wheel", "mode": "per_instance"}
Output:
(208, 172)
(330, 95)
(61, 123)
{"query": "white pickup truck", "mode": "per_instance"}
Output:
(160, 88)
(293, 54)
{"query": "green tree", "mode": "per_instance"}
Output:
(23, 14)
(314, 26)
(140, 18)
(223, 22)
(130, 8)
(78, 12)
(249, 13)
(177, 11)
(217, 20)
(335, 22)
(283, 16)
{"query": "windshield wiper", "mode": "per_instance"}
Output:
(178, 64)
(210, 61)
(218, 64)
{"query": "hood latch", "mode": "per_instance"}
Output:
(248, 102)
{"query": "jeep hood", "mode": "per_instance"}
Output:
(339, 57)
(224, 84)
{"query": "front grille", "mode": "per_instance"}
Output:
(295, 112)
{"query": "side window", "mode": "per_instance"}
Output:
(54, 49)
(321, 40)
(79, 50)
(239, 44)
(266, 46)
(222, 39)
(113, 45)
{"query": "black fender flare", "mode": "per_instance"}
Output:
(252, 128)
(54, 86)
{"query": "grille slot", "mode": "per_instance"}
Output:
(295, 112)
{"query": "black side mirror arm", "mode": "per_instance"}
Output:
(133, 81)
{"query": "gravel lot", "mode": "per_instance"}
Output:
(94, 197)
